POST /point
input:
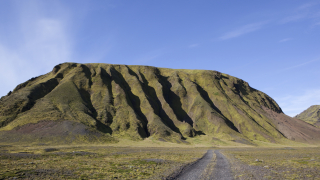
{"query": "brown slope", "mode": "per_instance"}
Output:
(140, 101)
(293, 128)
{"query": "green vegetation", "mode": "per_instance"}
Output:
(104, 103)
(166, 118)
(275, 163)
(311, 115)
(145, 162)
(93, 162)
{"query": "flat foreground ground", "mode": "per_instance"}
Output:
(93, 162)
(275, 163)
(106, 162)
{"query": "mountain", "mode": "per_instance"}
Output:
(311, 115)
(105, 102)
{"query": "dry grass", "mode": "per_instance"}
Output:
(275, 163)
(129, 160)
(93, 162)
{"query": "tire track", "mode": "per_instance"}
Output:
(221, 171)
(195, 170)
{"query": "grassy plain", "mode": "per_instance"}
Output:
(152, 159)
(275, 163)
(93, 162)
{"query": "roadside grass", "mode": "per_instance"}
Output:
(153, 159)
(93, 162)
(277, 163)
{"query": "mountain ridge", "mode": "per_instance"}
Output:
(311, 115)
(136, 102)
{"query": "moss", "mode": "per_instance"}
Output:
(136, 102)
(311, 115)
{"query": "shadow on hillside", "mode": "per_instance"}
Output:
(133, 101)
(204, 94)
(155, 102)
(106, 79)
(85, 95)
(174, 101)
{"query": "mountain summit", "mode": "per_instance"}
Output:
(105, 102)
(311, 115)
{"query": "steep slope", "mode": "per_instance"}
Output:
(311, 115)
(104, 101)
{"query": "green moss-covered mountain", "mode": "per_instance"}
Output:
(311, 115)
(105, 102)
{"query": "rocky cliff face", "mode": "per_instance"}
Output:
(96, 101)
(311, 115)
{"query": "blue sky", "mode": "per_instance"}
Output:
(273, 45)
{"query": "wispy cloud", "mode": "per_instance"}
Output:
(303, 12)
(243, 30)
(285, 40)
(315, 15)
(317, 24)
(281, 70)
(43, 43)
(150, 56)
(293, 18)
(193, 45)
(295, 104)
(241, 67)
(299, 65)
(307, 5)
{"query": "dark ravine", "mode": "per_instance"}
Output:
(111, 102)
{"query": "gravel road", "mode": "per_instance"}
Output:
(222, 170)
(196, 170)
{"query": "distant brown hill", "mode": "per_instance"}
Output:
(105, 102)
(311, 115)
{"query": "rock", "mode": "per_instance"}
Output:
(50, 149)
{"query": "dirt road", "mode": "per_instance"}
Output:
(222, 170)
(199, 169)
